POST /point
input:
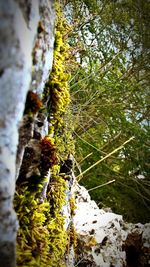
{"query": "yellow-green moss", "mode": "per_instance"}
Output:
(57, 87)
(57, 90)
(42, 240)
(72, 206)
(32, 239)
(73, 238)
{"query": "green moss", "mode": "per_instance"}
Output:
(72, 206)
(57, 91)
(57, 86)
(32, 240)
(42, 240)
(73, 238)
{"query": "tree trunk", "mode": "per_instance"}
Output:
(18, 27)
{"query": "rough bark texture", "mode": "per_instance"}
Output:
(18, 30)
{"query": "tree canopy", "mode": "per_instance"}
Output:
(110, 43)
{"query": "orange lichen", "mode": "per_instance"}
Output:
(40, 27)
(48, 153)
(33, 103)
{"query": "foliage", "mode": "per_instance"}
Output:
(110, 94)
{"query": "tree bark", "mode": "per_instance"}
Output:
(18, 27)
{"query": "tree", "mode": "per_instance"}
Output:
(14, 83)
(18, 29)
(110, 96)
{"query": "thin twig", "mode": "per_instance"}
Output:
(107, 156)
(86, 142)
(100, 71)
(86, 157)
(78, 166)
(79, 262)
(101, 185)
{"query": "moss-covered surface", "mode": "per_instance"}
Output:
(57, 91)
(42, 239)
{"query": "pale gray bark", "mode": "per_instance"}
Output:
(16, 43)
(25, 61)
(42, 57)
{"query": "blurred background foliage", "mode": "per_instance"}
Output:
(109, 61)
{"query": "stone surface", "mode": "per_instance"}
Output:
(104, 239)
